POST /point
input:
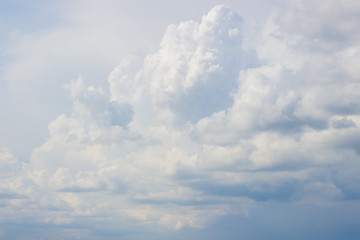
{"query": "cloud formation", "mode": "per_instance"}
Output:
(204, 128)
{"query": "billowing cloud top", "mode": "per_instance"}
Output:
(204, 128)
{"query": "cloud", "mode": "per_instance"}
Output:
(205, 128)
(9, 164)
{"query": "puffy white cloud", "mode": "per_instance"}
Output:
(205, 128)
(8, 163)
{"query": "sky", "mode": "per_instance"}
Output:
(178, 120)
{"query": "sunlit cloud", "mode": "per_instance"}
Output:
(208, 127)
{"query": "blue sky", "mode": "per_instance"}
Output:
(169, 120)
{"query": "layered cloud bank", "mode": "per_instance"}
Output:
(210, 125)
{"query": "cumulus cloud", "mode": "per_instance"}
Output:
(206, 127)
